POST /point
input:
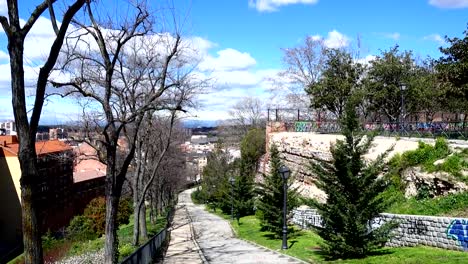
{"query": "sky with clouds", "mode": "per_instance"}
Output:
(240, 41)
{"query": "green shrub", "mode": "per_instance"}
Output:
(81, 229)
(437, 206)
(426, 154)
(49, 241)
(197, 197)
(96, 212)
(126, 250)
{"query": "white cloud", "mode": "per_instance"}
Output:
(273, 5)
(334, 40)
(4, 55)
(435, 37)
(449, 3)
(3, 8)
(394, 36)
(228, 60)
(366, 60)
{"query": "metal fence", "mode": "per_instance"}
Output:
(151, 250)
(452, 130)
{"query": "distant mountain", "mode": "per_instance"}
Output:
(193, 123)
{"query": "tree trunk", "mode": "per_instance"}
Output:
(30, 224)
(136, 217)
(27, 155)
(153, 213)
(143, 228)
(111, 246)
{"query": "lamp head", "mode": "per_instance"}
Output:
(284, 172)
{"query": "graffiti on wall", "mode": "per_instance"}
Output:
(416, 227)
(304, 126)
(458, 230)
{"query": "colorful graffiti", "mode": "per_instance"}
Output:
(458, 230)
(304, 126)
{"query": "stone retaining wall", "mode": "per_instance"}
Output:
(441, 232)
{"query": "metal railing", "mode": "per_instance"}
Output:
(149, 251)
(152, 249)
(452, 130)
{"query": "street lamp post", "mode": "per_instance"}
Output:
(285, 174)
(402, 105)
(232, 181)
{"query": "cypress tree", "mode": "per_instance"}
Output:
(353, 188)
(270, 201)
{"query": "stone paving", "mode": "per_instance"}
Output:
(211, 237)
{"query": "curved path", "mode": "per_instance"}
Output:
(212, 238)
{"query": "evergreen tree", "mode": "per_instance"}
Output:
(270, 201)
(243, 194)
(353, 189)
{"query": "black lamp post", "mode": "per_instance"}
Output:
(402, 105)
(232, 181)
(285, 174)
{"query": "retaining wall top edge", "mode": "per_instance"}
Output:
(400, 215)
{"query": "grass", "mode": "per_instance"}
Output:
(450, 205)
(305, 245)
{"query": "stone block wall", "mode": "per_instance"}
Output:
(442, 232)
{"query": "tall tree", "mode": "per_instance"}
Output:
(271, 196)
(353, 187)
(453, 69)
(252, 148)
(27, 128)
(388, 73)
(428, 92)
(247, 113)
(338, 83)
(304, 66)
(97, 61)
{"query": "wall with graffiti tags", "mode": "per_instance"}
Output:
(441, 232)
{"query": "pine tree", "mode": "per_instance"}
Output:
(353, 189)
(270, 201)
(243, 194)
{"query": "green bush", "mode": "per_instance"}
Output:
(444, 205)
(126, 250)
(81, 229)
(49, 241)
(96, 212)
(197, 197)
(426, 154)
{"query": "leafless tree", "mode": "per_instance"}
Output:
(304, 65)
(248, 113)
(105, 67)
(159, 138)
(27, 128)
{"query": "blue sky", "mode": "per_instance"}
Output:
(240, 41)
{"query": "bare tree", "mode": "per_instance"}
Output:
(155, 143)
(304, 65)
(27, 129)
(248, 113)
(97, 60)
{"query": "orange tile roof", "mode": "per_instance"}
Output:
(42, 148)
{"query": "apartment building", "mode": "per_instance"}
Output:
(54, 191)
(8, 128)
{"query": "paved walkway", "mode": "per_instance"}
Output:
(213, 241)
(182, 248)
